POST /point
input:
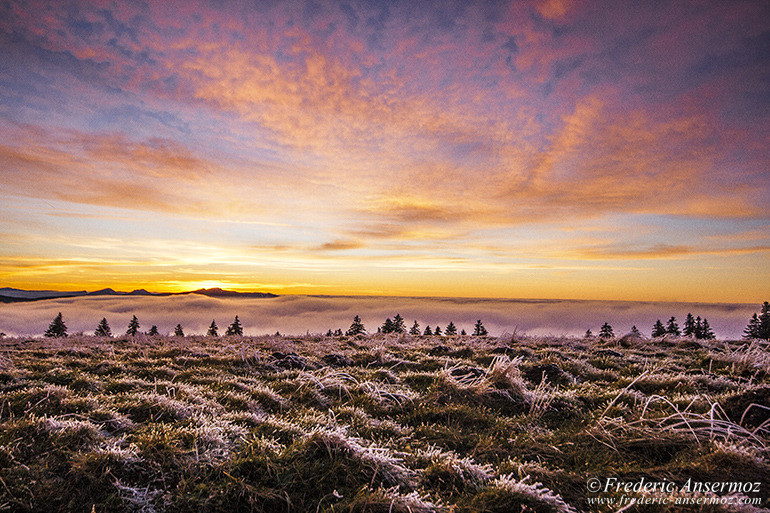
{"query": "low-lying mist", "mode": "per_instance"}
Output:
(295, 315)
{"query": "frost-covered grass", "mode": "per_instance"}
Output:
(370, 424)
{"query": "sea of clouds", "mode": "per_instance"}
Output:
(298, 315)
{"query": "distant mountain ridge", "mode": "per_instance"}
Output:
(11, 295)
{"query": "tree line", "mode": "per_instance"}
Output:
(58, 328)
(757, 328)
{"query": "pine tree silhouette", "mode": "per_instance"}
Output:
(398, 324)
(387, 326)
(479, 330)
(658, 330)
(635, 331)
(689, 326)
(764, 322)
(357, 328)
(672, 328)
(213, 329)
(133, 327)
(606, 332)
(428, 332)
(103, 329)
(415, 329)
(237, 330)
(57, 328)
(437, 331)
(153, 331)
(706, 331)
(752, 329)
(178, 332)
(759, 325)
(450, 330)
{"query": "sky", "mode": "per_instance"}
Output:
(523, 149)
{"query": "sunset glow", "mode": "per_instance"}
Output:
(551, 149)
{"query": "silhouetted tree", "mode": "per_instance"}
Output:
(635, 331)
(387, 326)
(153, 331)
(399, 326)
(57, 328)
(213, 329)
(672, 328)
(759, 325)
(437, 331)
(479, 330)
(178, 332)
(450, 330)
(764, 321)
(133, 326)
(235, 328)
(588, 334)
(658, 330)
(605, 331)
(357, 328)
(428, 332)
(698, 332)
(415, 329)
(706, 331)
(689, 326)
(103, 329)
(752, 329)
(463, 334)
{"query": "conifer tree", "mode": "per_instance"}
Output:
(706, 331)
(387, 326)
(635, 331)
(398, 324)
(672, 328)
(698, 332)
(153, 331)
(658, 330)
(415, 329)
(57, 328)
(753, 328)
(463, 333)
(479, 330)
(178, 331)
(428, 332)
(689, 326)
(759, 325)
(450, 330)
(213, 329)
(588, 334)
(103, 329)
(437, 331)
(606, 332)
(133, 327)
(236, 329)
(357, 328)
(764, 321)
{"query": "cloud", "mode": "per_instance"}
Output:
(317, 314)
(455, 134)
(663, 251)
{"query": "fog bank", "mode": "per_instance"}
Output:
(316, 314)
